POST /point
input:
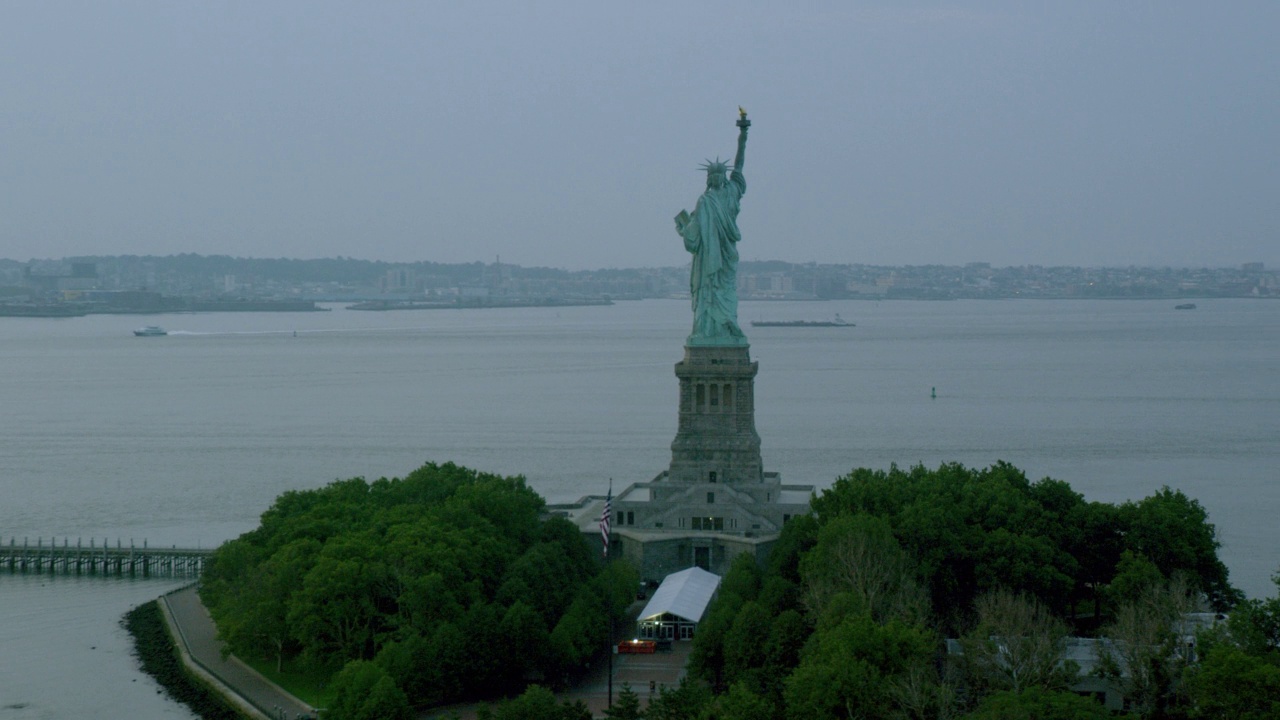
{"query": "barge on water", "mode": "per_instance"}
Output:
(837, 322)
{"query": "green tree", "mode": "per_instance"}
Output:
(683, 702)
(449, 651)
(1135, 576)
(745, 646)
(1035, 703)
(709, 654)
(778, 594)
(920, 694)
(576, 710)
(846, 672)
(436, 595)
(254, 621)
(525, 640)
(787, 636)
(707, 658)
(858, 554)
(483, 672)
(450, 564)
(538, 703)
(1016, 644)
(1239, 673)
(337, 614)
(626, 707)
(538, 577)
(364, 691)
(971, 531)
(1148, 652)
(740, 703)
(581, 633)
(415, 671)
(1102, 541)
(1255, 626)
(615, 589)
(1231, 683)
(1174, 532)
(797, 536)
(228, 569)
(742, 578)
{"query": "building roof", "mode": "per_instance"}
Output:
(585, 513)
(685, 594)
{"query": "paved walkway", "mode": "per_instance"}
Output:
(260, 698)
(663, 669)
(255, 695)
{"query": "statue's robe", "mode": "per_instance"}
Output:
(712, 236)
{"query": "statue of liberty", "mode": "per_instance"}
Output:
(711, 234)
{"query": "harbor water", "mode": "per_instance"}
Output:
(186, 439)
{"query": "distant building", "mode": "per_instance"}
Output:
(1088, 654)
(776, 284)
(60, 277)
(399, 280)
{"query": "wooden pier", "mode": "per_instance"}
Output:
(100, 559)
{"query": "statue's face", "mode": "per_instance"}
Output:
(715, 180)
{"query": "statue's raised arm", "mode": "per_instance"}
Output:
(743, 123)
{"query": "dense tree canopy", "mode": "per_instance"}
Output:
(451, 584)
(1038, 704)
(446, 584)
(535, 703)
(972, 531)
(849, 616)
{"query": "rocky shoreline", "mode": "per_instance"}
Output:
(155, 650)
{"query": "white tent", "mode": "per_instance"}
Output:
(678, 605)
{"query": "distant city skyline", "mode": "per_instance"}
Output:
(1250, 264)
(131, 283)
(885, 133)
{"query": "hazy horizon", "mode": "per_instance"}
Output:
(884, 133)
(1236, 266)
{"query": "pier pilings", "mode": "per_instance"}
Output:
(100, 559)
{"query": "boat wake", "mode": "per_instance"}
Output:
(293, 333)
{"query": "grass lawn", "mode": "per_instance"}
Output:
(310, 687)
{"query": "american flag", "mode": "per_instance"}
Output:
(604, 518)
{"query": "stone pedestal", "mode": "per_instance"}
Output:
(716, 441)
(715, 502)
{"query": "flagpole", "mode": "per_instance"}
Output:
(606, 517)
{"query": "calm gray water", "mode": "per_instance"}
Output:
(186, 439)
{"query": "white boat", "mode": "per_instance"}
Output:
(150, 331)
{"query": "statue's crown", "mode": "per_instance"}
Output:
(715, 167)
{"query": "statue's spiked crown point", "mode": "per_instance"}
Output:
(715, 167)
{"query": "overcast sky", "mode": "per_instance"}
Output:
(569, 134)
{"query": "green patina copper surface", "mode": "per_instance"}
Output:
(711, 234)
